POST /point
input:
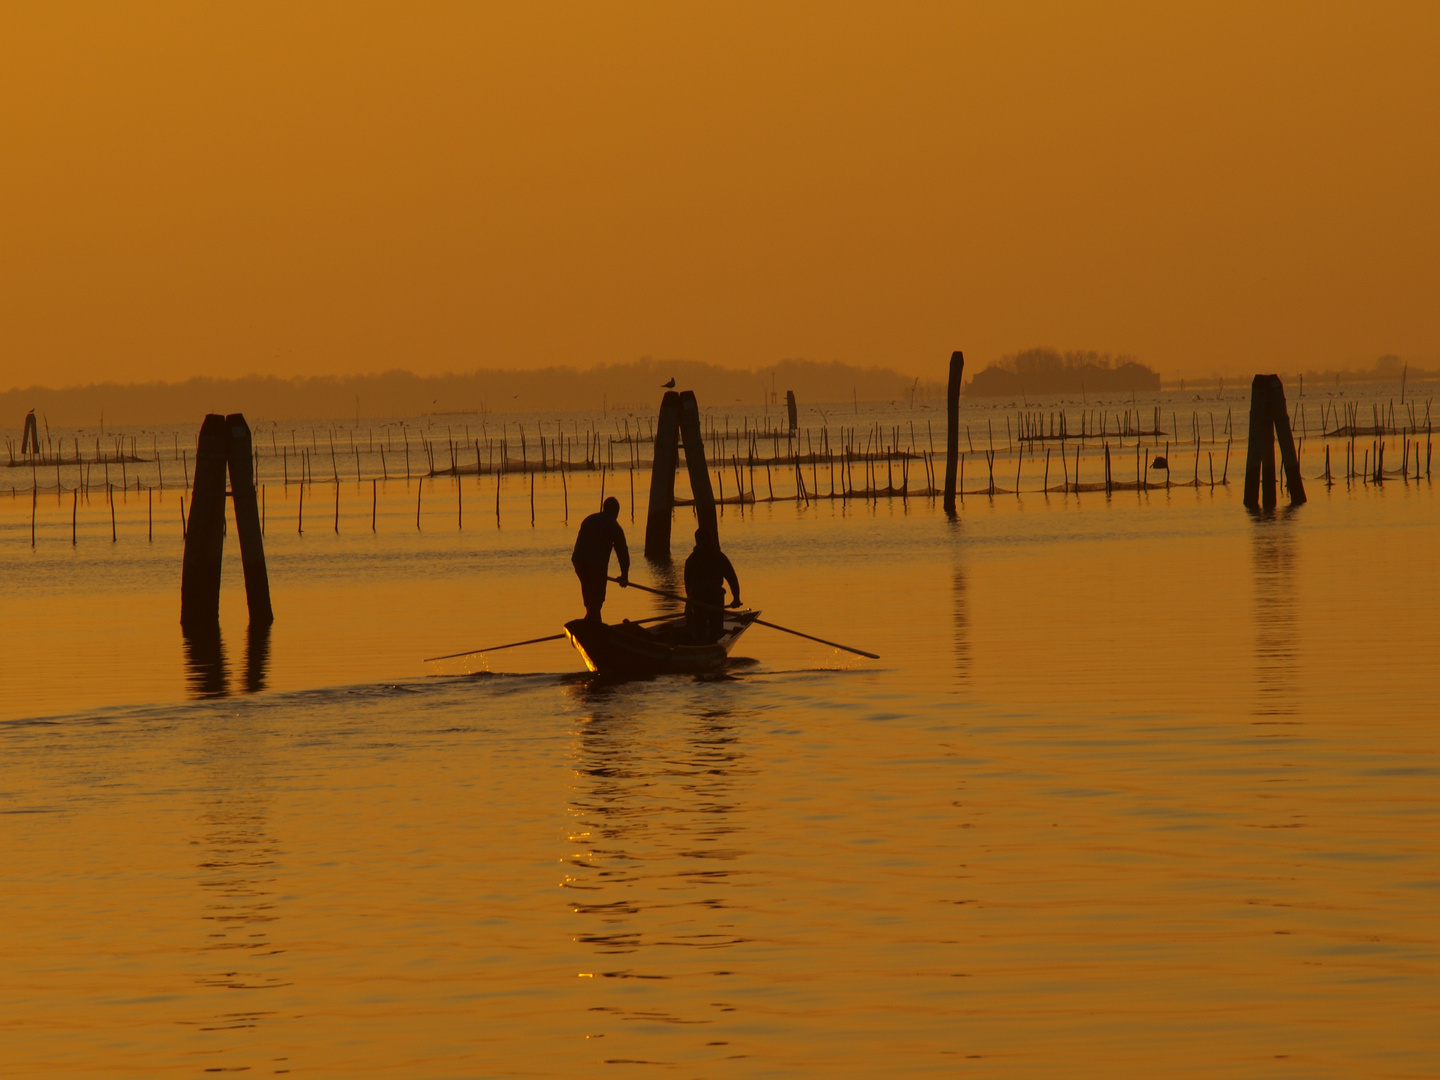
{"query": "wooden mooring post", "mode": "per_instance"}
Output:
(952, 428)
(247, 522)
(700, 489)
(662, 479)
(224, 445)
(205, 528)
(1269, 421)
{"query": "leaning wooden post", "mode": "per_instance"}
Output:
(205, 529)
(662, 479)
(1260, 453)
(700, 488)
(952, 432)
(247, 521)
(1288, 457)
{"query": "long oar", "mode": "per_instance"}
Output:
(762, 622)
(528, 641)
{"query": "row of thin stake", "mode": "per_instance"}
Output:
(845, 474)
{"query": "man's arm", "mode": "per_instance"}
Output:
(729, 571)
(623, 554)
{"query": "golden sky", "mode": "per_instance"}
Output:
(314, 188)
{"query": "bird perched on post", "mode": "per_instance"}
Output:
(669, 385)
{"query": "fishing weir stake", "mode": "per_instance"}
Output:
(224, 445)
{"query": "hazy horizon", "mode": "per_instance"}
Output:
(324, 189)
(634, 386)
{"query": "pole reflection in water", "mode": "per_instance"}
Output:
(962, 624)
(669, 577)
(657, 851)
(257, 657)
(207, 671)
(1277, 623)
(206, 675)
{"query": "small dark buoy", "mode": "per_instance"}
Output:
(1160, 463)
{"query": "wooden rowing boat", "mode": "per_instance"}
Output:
(630, 651)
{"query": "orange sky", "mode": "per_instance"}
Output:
(324, 189)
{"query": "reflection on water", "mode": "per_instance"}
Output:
(235, 869)
(207, 672)
(962, 624)
(257, 657)
(657, 841)
(1277, 625)
(669, 577)
(1074, 867)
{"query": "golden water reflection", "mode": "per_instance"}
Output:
(207, 669)
(207, 675)
(235, 852)
(961, 616)
(1274, 558)
(657, 852)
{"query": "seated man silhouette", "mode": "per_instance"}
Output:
(706, 571)
(599, 533)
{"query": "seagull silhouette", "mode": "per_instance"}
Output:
(669, 385)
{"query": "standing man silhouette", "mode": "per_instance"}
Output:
(599, 534)
(706, 572)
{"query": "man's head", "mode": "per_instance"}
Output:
(611, 506)
(702, 538)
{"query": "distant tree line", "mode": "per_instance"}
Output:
(1048, 371)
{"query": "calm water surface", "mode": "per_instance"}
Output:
(1141, 786)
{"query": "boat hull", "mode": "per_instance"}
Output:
(631, 651)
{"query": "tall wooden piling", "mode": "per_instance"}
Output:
(952, 430)
(792, 412)
(1288, 457)
(205, 529)
(700, 488)
(1260, 450)
(662, 479)
(247, 521)
(1269, 419)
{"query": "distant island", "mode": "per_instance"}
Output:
(1387, 369)
(1048, 371)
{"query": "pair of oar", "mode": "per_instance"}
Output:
(653, 618)
(527, 641)
(761, 622)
